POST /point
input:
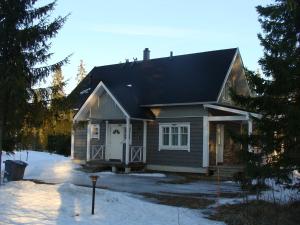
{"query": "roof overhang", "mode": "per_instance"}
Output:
(231, 110)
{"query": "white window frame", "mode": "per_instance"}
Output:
(170, 146)
(95, 136)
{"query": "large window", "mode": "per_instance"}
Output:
(174, 136)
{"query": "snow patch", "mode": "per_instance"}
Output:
(30, 203)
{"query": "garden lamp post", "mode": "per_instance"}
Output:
(94, 181)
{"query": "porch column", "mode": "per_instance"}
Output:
(88, 142)
(249, 131)
(106, 138)
(144, 141)
(72, 141)
(205, 141)
(127, 141)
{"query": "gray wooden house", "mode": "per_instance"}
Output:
(167, 114)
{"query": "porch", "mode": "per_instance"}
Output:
(110, 136)
(221, 152)
(100, 161)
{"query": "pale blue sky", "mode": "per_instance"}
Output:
(108, 32)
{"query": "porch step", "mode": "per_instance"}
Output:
(98, 165)
(225, 171)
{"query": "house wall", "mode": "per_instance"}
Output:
(176, 158)
(103, 107)
(238, 81)
(101, 140)
(179, 111)
(80, 141)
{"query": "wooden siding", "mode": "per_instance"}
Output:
(176, 157)
(238, 81)
(179, 111)
(104, 107)
(80, 141)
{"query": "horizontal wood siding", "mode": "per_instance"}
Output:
(80, 141)
(176, 157)
(101, 140)
(137, 133)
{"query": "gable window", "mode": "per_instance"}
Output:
(174, 136)
(95, 131)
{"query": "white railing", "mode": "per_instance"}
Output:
(98, 152)
(136, 153)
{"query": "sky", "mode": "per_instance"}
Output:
(108, 32)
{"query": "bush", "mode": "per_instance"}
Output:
(60, 144)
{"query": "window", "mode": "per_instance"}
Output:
(95, 131)
(174, 136)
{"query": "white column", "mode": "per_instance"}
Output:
(88, 142)
(127, 141)
(72, 142)
(250, 127)
(205, 141)
(144, 141)
(106, 139)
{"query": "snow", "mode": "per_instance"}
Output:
(148, 174)
(25, 202)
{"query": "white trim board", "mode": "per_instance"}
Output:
(227, 74)
(101, 84)
(237, 111)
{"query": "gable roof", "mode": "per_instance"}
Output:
(183, 79)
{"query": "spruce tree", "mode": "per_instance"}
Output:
(81, 72)
(58, 84)
(277, 95)
(25, 31)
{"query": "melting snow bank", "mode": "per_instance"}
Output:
(25, 202)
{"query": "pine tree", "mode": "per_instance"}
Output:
(81, 72)
(277, 95)
(25, 30)
(58, 84)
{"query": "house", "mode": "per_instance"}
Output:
(167, 114)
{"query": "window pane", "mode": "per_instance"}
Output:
(184, 130)
(175, 136)
(184, 139)
(166, 131)
(166, 139)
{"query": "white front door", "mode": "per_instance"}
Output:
(219, 143)
(116, 141)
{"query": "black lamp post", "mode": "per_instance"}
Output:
(94, 181)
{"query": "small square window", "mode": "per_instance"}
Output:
(95, 131)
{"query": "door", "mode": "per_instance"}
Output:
(219, 143)
(117, 134)
(116, 141)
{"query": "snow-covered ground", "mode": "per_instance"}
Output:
(64, 202)
(52, 168)
(25, 202)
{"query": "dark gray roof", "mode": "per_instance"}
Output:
(178, 79)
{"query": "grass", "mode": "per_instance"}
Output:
(259, 213)
(180, 201)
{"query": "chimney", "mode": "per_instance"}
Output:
(146, 54)
(171, 53)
